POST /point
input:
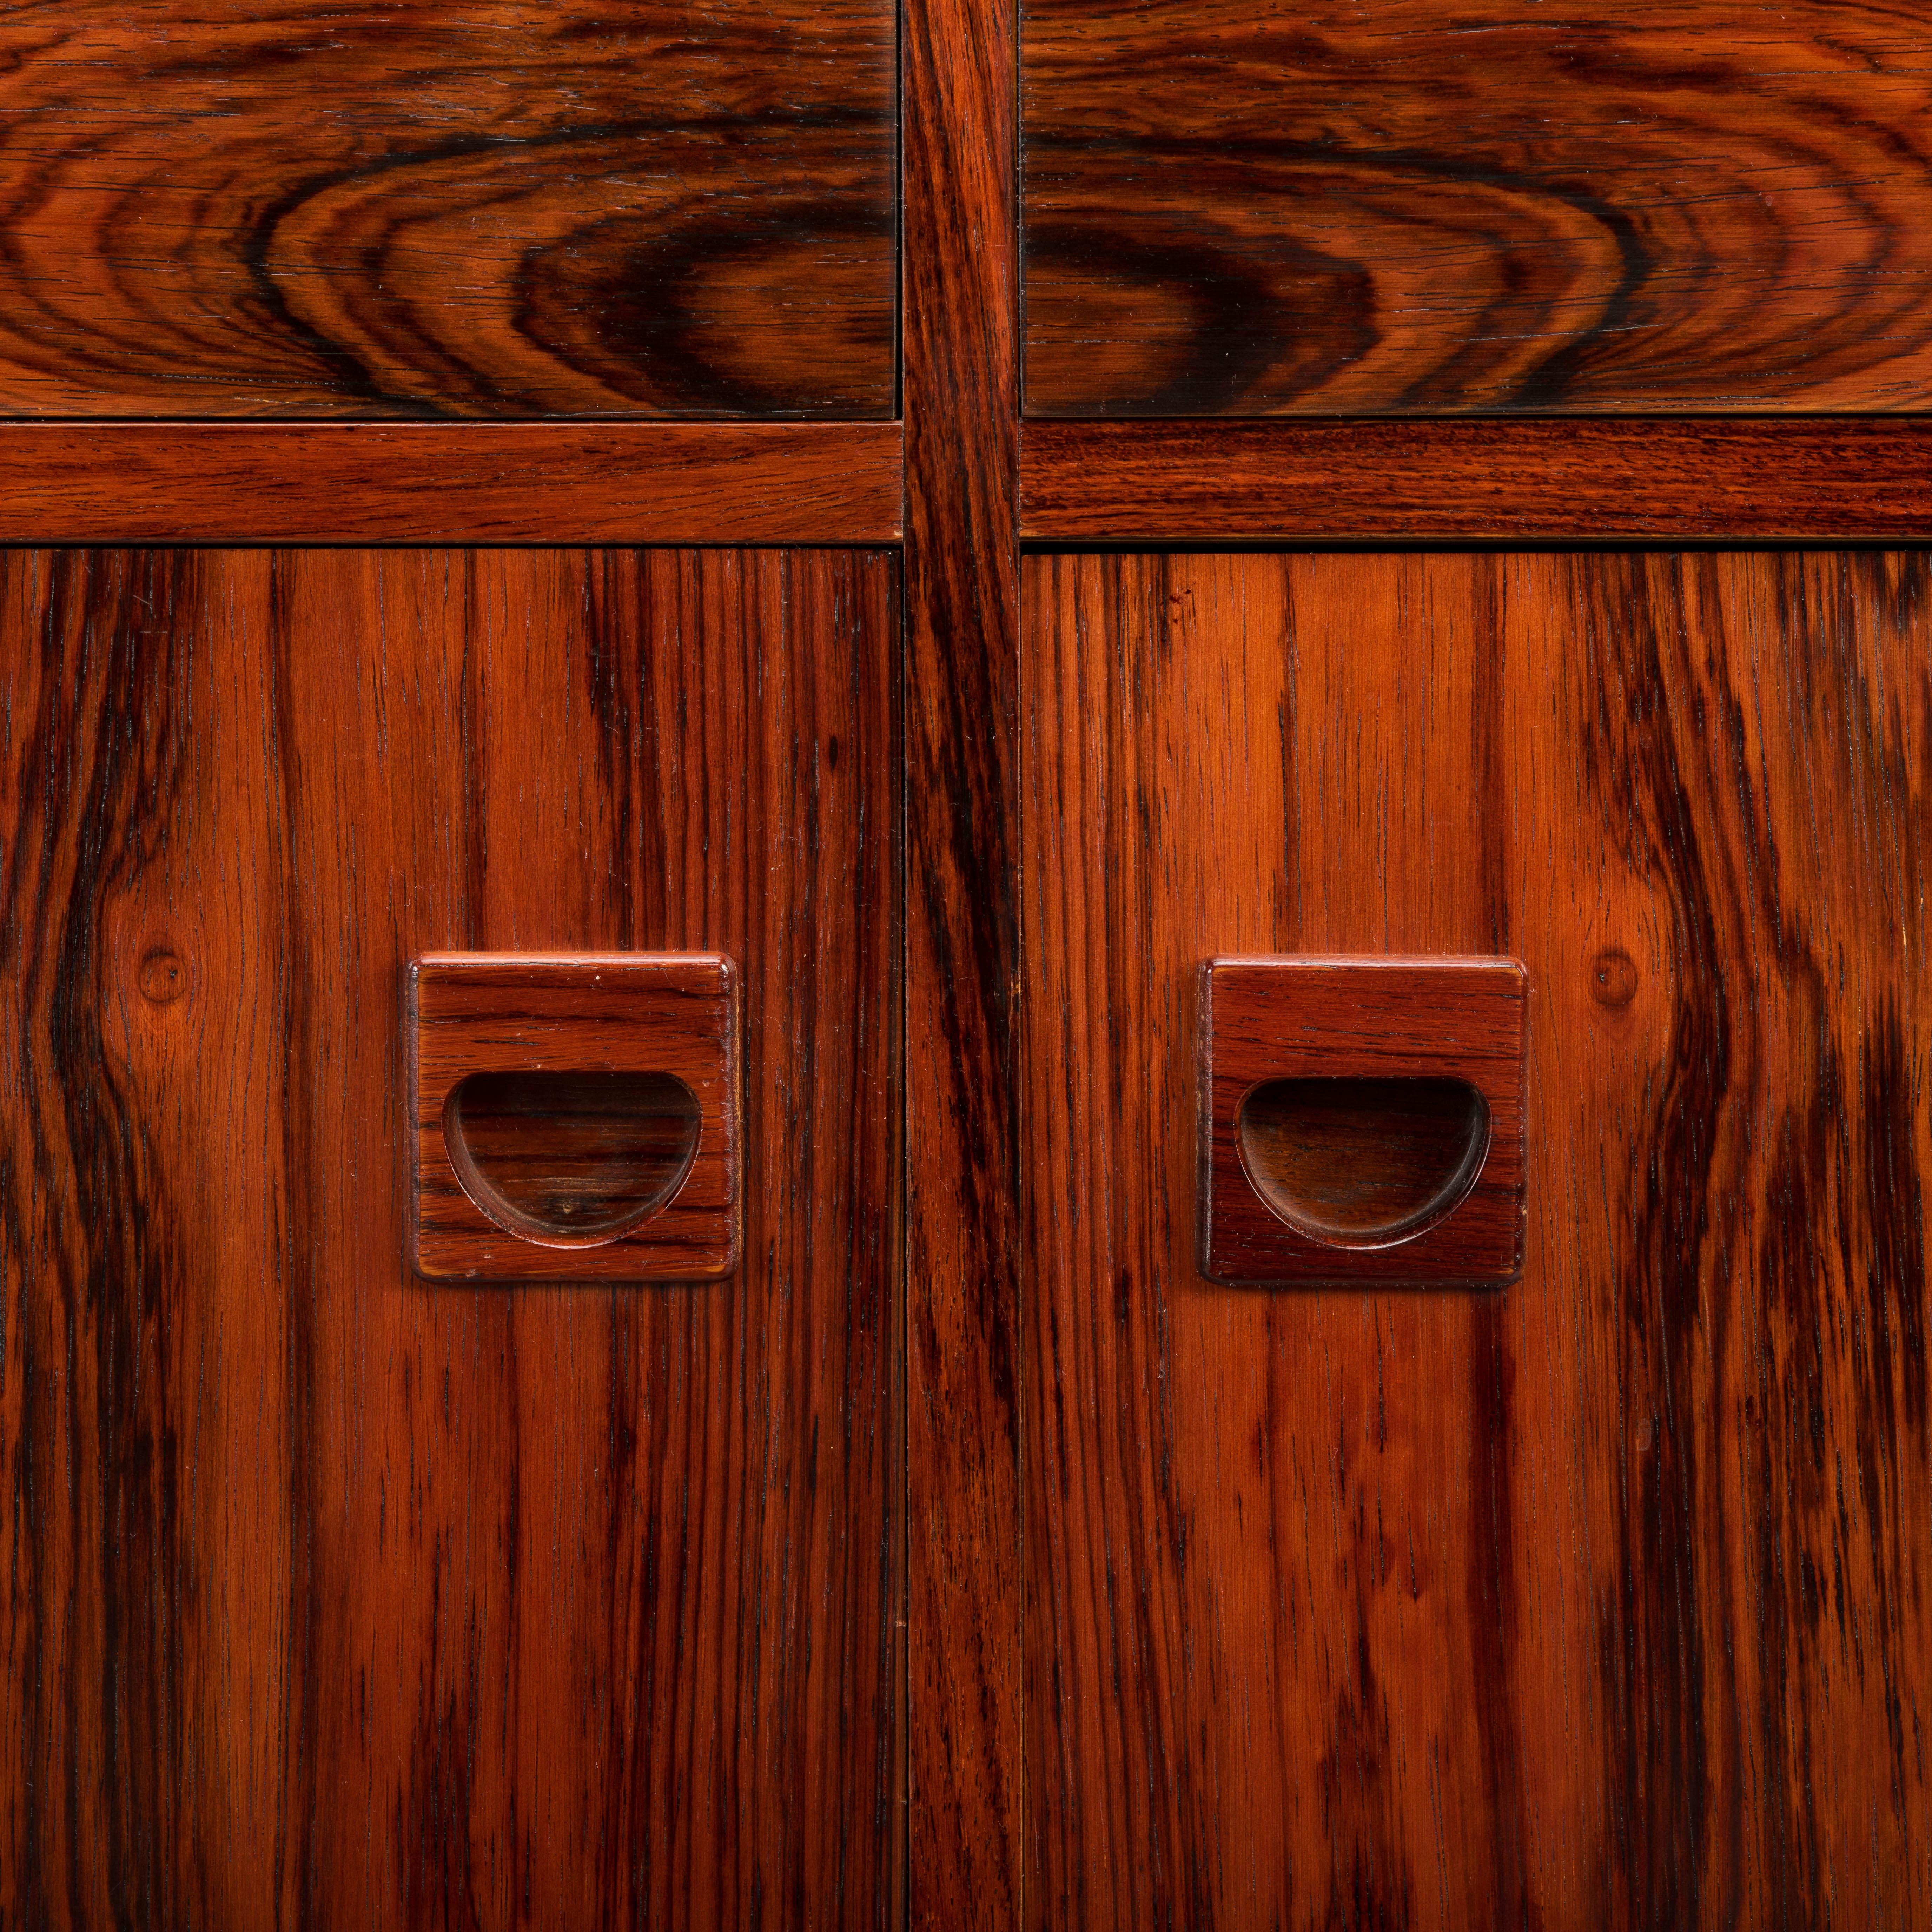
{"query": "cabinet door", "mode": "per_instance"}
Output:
(1598, 1599)
(334, 1595)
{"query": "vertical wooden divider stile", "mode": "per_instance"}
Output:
(959, 299)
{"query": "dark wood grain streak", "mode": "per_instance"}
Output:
(331, 1597)
(1601, 1601)
(1802, 478)
(268, 207)
(1379, 207)
(323, 483)
(961, 398)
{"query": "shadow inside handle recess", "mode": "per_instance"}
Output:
(571, 1158)
(1362, 1163)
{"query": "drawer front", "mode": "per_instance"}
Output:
(344, 1596)
(435, 210)
(1597, 1598)
(1253, 209)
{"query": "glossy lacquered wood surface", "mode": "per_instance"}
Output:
(1600, 1601)
(333, 1597)
(269, 207)
(1248, 207)
(1794, 478)
(470, 483)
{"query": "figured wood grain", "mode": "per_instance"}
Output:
(1801, 477)
(479, 483)
(1384, 207)
(257, 208)
(961, 405)
(1602, 1601)
(333, 1597)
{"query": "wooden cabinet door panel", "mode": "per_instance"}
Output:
(429, 210)
(1600, 1600)
(336, 1597)
(1391, 207)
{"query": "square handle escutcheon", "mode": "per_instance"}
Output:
(574, 1116)
(1362, 1121)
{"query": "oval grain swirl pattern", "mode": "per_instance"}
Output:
(1601, 1601)
(430, 210)
(331, 1597)
(1234, 209)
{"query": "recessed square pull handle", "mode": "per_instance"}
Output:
(1362, 1121)
(574, 1116)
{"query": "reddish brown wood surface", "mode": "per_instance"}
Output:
(961, 958)
(551, 1019)
(269, 207)
(1366, 1022)
(1249, 207)
(475, 483)
(1806, 479)
(333, 1597)
(1603, 1601)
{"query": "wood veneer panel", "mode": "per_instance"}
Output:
(334, 1597)
(962, 400)
(1245, 208)
(661, 483)
(1600, 1601)
(1797, 477)
(262, 208)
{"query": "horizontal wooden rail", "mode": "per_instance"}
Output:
(449, 483)
(1399, 481)
(1406, 480)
